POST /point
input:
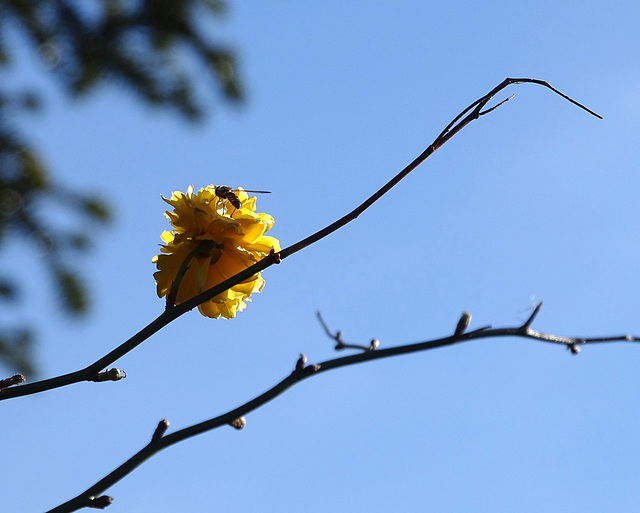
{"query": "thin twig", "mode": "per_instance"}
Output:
(459, 122)
(533, 315)
(341, 344)
(496, 106)
(301, 372)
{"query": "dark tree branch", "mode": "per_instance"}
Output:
(341, 344)
(471, 113)
(302, 371)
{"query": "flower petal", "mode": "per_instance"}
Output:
(212, 241)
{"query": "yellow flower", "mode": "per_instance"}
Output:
(211, 241)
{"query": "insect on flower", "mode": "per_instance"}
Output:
(224, 192)
(207, 245)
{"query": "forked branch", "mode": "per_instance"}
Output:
(90, 373)
(235, 417)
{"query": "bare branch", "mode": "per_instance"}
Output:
(458, 123)
(340, 344)
(172, 312)
(301, 372)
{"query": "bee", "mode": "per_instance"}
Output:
(226, 193)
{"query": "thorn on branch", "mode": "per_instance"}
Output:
(13, 380)
(163, 425)
(463, 324)
(100, 502)
(528, 322)
(109, 375)
(238, 423)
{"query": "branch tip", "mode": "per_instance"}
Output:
(533, 315)
(324, 326)
(161, 429)
(341, 344)
(544, 83)
(302, 361)
(496, 106)
(463, 324)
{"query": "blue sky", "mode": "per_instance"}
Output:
(536, 201)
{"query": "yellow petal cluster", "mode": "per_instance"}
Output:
(217, 241)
